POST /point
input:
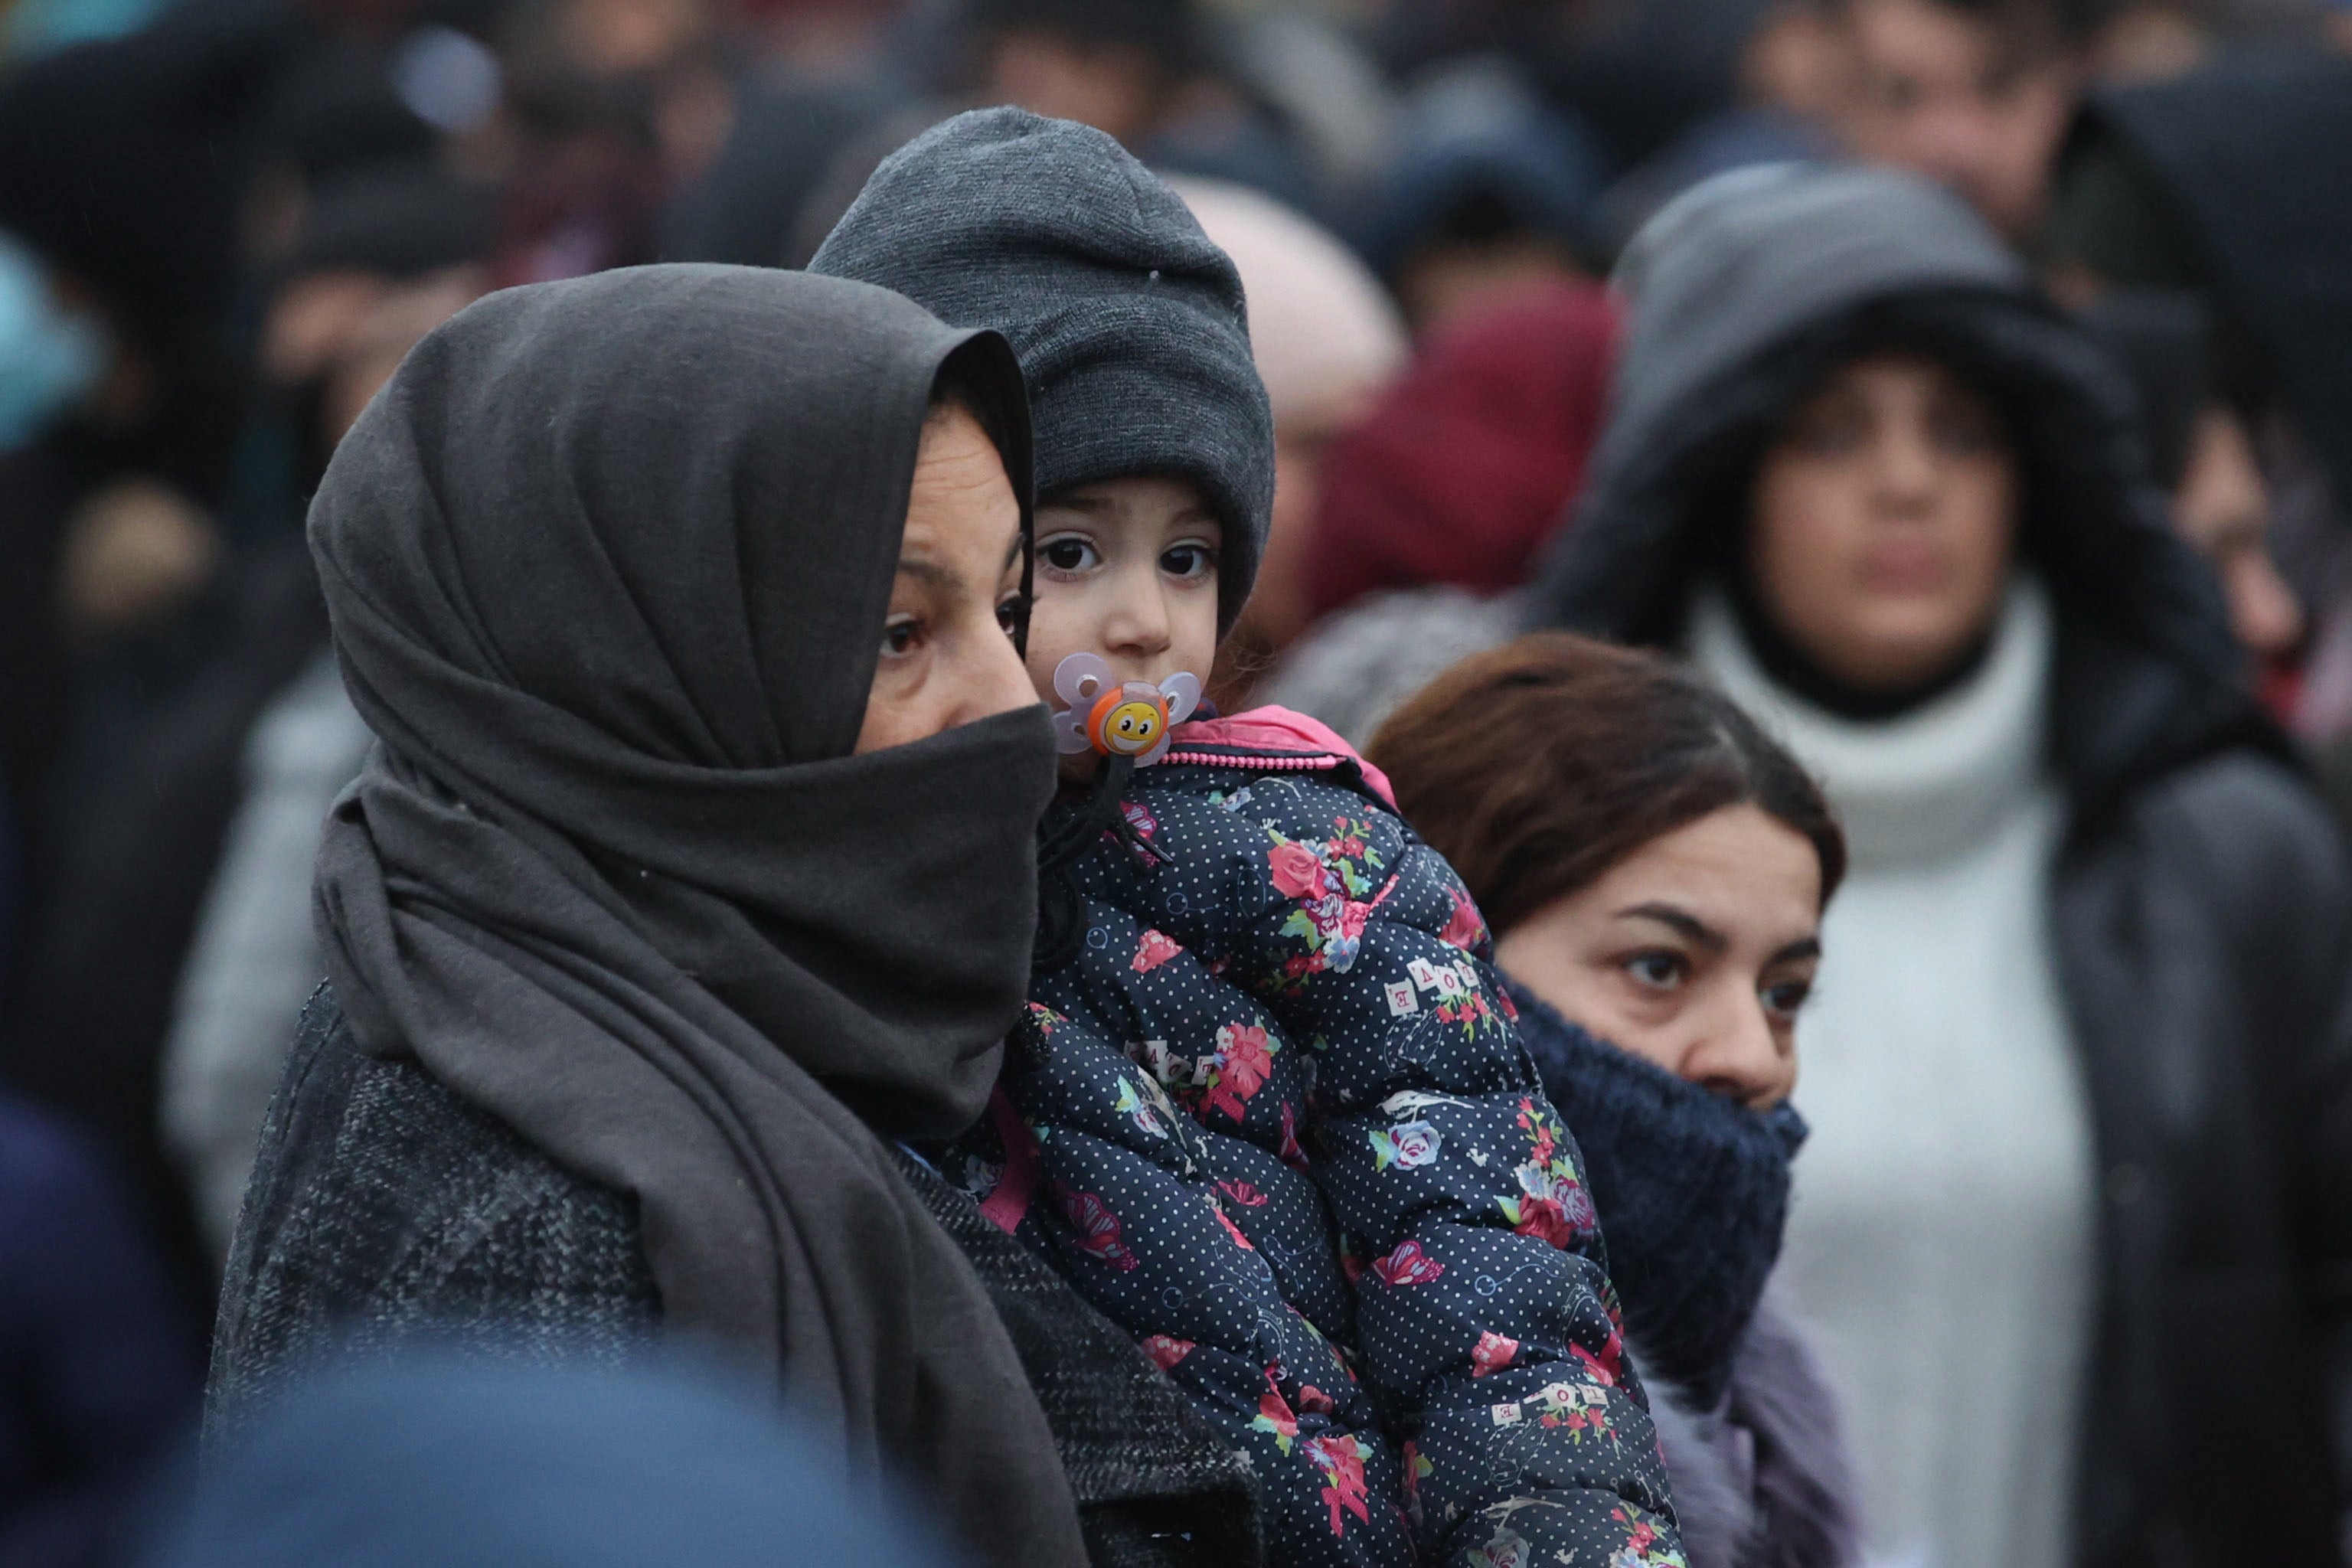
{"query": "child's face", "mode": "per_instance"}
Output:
(1126, 569)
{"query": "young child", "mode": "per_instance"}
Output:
(1269, 1112)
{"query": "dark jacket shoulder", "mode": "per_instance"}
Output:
(2261, 832)
(383, 1208)
(2229, 881)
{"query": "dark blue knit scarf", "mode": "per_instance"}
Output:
(1692, 1190)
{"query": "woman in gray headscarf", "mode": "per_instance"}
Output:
(693, 870)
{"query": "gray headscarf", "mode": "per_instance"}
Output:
(608, 564)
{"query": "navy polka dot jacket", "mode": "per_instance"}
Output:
(1276, 1122)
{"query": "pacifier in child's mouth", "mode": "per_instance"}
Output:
(1131, 719)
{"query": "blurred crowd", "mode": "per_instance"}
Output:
(223, 223)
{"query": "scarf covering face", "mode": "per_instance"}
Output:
(608, 564)
(1692, 1188)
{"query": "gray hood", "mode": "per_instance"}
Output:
(1744, 293)
(1742, 262)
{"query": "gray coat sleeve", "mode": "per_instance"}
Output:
(384, 1209)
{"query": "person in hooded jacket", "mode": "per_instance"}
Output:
(2075, 1223)
(2210, 196)
(690, 876)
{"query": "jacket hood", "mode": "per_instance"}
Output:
(1748, 290)
(2251, 161)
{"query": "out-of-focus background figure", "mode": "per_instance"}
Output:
(434, 1457)
(2079, 1073)
(224, 222)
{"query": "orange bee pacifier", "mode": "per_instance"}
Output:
(1115, 719)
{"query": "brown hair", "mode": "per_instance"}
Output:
(1535, 767)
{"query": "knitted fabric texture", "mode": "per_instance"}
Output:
(384, 1208)
(1691, 1187)
(1129, 324)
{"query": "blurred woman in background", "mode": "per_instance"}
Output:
(2080, 1076)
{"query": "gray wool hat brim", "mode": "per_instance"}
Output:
(1130, 323)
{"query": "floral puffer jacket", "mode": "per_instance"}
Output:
(1276, 1122)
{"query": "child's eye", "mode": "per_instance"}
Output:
(1070, 553)
(901, 635)
(1188, 560)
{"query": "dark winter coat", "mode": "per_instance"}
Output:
(1275, 1121)
(118, 866)
(97, 1379)
(382, 1198)
(2252, 156)
(2201, 909)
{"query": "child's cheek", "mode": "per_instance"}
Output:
(1194, 618)
(1054, 634)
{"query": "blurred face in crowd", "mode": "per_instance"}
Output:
(1114, 89)
(2151, 40)
(1977, 98)
(2224, 508)
(1457, 279)
(948, 655)
(1882, 520)
(346, 331)
(136, 549)
(1695, 952)
(1127, 569)
(619, 38)
(1279, 607)
(1800, 59)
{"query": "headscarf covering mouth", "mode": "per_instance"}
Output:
(607, 565)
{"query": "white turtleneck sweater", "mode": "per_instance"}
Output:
(1941, 1239)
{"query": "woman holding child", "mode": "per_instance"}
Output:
(689, 894)
(692, 875)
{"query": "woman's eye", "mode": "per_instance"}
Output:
(1068, 554)
(1787, 999)
(1660, 970)
(900, 636)
(1012, 617)
(1188, 560)
(1830, 437)
(1964, 437)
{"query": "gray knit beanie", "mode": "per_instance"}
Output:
(1128, 323)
